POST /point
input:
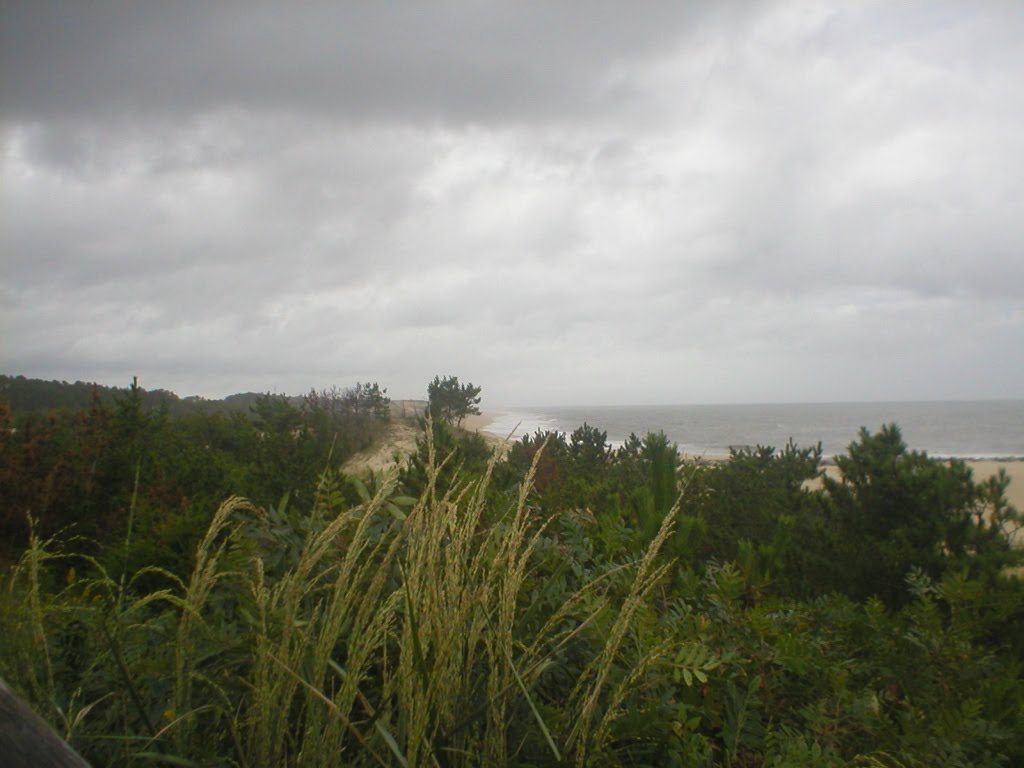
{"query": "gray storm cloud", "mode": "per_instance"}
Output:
(572, 202)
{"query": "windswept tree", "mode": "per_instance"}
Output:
(451, 401)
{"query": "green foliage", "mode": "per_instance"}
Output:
(67, 468)
(654, 463)
(35, 396)
(450, 401)
(745, 498)
(895, 510)
(374, 638)
(567, 605)
(347, 420)
(454, 452)
(756, 508)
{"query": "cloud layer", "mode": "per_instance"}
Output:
(571, 202)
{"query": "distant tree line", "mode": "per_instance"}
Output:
(24, 395)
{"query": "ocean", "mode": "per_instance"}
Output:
(964, 429)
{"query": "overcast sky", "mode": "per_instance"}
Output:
(562, 202)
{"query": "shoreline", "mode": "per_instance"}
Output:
(981, 467)
(479, 422)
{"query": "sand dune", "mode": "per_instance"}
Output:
(400, 440)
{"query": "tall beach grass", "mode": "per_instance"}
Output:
(389, 638)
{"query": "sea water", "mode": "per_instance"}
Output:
(965, 429)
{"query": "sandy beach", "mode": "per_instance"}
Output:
(478, 421)
(1015, 469)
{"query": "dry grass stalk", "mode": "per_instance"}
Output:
(584, 739)
(205, 576)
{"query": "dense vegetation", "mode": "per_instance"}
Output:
(565, 604)
(126, 449)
